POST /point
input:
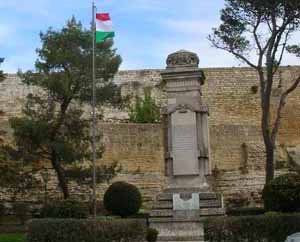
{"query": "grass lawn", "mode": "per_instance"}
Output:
(12, 238)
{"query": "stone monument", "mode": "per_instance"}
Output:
(179, 210)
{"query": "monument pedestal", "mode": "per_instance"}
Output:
(178, 214)
(179, 211)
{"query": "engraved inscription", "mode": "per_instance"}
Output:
(184, 143)
(184, 136)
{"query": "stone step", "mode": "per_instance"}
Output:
(175, 220)
(182, 241)
(166, 196)
(181, 238)
(209, 196)
(210, 203)
(212, 211)
(185, 189)
(161, 213)
(163, 205)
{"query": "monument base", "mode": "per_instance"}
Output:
(178, 214)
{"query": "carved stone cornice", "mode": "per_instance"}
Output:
(183, 108)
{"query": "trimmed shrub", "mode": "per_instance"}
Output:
(283, 194)
(78, 230)
(152, 235)
(122, 199)
(21, 211)
(275, 228)
(65, 209)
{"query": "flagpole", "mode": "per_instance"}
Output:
(94, 119)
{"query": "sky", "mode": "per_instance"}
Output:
(146, 30)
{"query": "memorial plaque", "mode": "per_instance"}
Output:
(184, 143)
(188, 204)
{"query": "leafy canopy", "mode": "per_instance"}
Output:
(55, 125)
(254, 24)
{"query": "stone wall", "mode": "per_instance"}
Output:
(138, 151)
(237, 150)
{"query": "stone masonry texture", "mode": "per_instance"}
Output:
(236, 147)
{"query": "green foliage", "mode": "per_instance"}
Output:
(241, 20)
(2, 75)
(245, 211)
(145, 110)
(122, 199)
(283, 194)
(74, 230)
(152, 235)
(102, 213)
(53, 126)
(14, 175)
(294, 49)
(259, 228)
(65, 209)
(2, 209)
(104, 173)
(12, 238)
(21, 210)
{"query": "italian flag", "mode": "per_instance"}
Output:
(104, 28)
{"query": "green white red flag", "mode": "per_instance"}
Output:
(104, 27)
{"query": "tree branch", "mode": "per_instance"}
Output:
(256, 36)
(237, 55)
(281, 106)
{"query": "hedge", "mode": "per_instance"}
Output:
(273, 227)
(78, 230)
(245, 211)
(282, 194)
(65, 209)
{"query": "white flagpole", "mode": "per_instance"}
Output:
(94, 199)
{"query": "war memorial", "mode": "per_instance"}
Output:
(205, 155)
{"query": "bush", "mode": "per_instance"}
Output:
(65, 209)
(78, 230)
(145, 110)
(21, 211)
(283, 194)
(2, 210)
(258, 228)
(122, 199)
(152, 235)
(100, 209)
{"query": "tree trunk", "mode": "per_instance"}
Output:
(269, 145)
(61, 177)
(269, 163)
